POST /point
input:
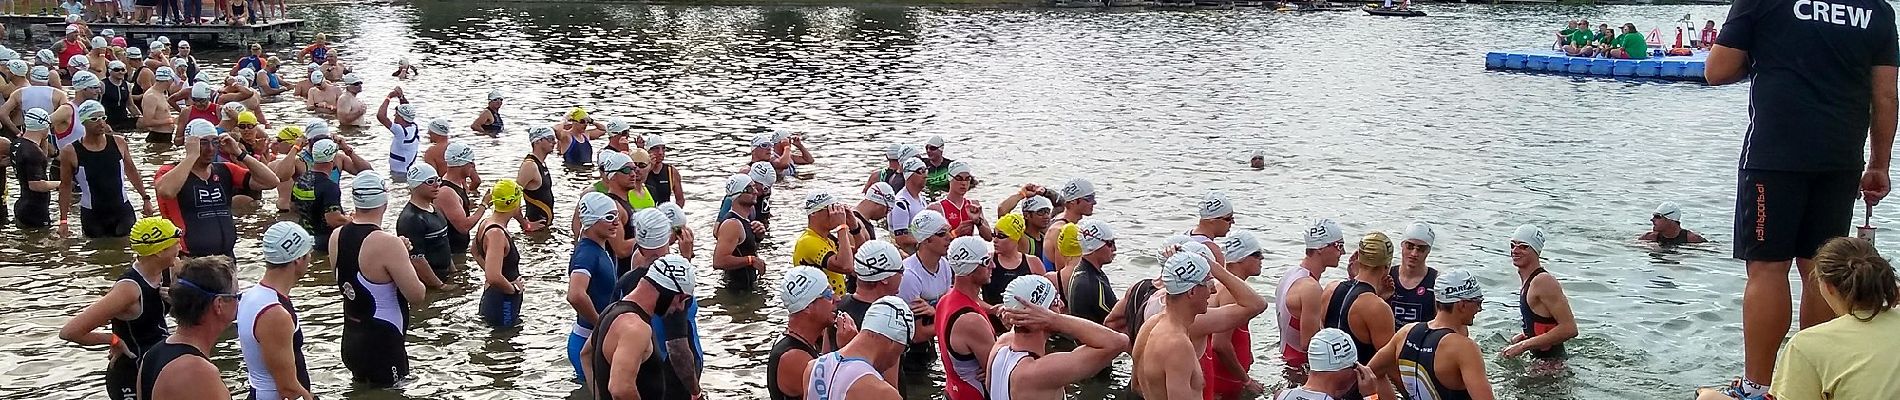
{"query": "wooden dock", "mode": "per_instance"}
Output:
(50, 27)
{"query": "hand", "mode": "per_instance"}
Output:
(758, 227)
(148, 209)
(758, 263)
(64, 232)
(686, 237)
(1519, 338)
(1253, 386)
(846, 327)
(397, 92)
(405, 244)
(837, 212)
(1874, 185)
(116, 349)
(295, 392)
(230, 147)
(1030, 316)
(1514, 350)
(1368, 381)
(922, 309)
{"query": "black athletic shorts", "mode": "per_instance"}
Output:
(122, 378)
(115, 222)
(374, 353)
(1783, 215)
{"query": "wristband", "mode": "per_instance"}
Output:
(114, 341)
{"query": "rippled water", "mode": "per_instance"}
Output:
(1373, 121)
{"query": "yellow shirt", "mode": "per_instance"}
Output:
(1842, 359)
(813, 249)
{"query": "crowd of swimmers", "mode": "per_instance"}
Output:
(1011, 300)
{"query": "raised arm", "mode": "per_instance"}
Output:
(1100, 346)
(1247, 304)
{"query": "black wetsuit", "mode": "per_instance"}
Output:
(315, 195)
(1137, 308)
(1338, 316)
(118, 101)
(155, 360)
(374, 315)
(1090, 296)
(539, 202)
(205, 206)
(458, 239)
(660, 183)
(429, 236)
(139, 334)
(1681, 238)
(103, 209)
(31, 163)
(656, 381)
(502, 310)
(748, 247)
(1000, 278)
(786, 343)
(1414, 304)
(1534, 324)
(1420, 352)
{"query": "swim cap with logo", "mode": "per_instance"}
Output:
(802, 286)
(674, 214)
(617, 125)
(201, 91)
(1035, 203)
(505, 196)
(164, 74)
(1530, 235)
(437, 127)
(913, 166)
(596, 207)
(134, 53)
(611, 161)
(1456, 285)
(934, 141)
(1375, 250)
(1331, 350)
(655, 140)
(1076, 188)
(458, 154)
(1323, 232)
(38, 119)
(763, 140)
(763, 173)
(957, 167)
(420, 174)
(1012, 226)
(877, 260)
(39, 74)
(152, 235)
(285, 242)
(99, 41)
(78, 62)
(316, 77)
(1034, 288)
(651, 229)
(322, 151)
(818, 200)
(1421, 232)
(407, 112)
(882, 194)
(316, 128)
(1095, 234)
(900, 151)
(1215, 205)
(18, 68)
(928, 223)
(966, 254)
(889, 317)
(85, 80)
(737, 183)
(539, 133)
(1185, 270)
(46, 56)
(1237, 245)
(675, 273)
(90, 110)
(368, 192)
(1669, 210)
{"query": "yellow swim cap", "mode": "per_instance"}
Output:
(577, 115)
(151, 235)
(1070, 241)
(506, 196)
(290, 134)
(1012, 225)
(247, 117)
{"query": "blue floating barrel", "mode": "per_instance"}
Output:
(1623, 68)
(1514, 61)
(1534, 63)
(1648, 69)
(1493, 60)
(1601, 66)
(1673, 69)
(1579, 66)
(1556, 63)
(1694, 70)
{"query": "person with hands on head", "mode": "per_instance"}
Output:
(576, 134)
(1437, 359)
(208, 186)
(965, 336)
(828, 240)
(403, 129)
(1166, 351)
(381, 286)
(426, 228)
(623, 361)
(1822, 85)
(1547, 320)
(1336, 371)
(133, 309)
(105, 161)
(736, 241)
(1022, 367)
(592, 270)
(813, 327)
(1302, 301)
(203, 304)
(841, 375)
(1229, 355)
(501, 262)
(270, 333)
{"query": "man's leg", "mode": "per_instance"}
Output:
(1767, 308)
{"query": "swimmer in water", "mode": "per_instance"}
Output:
(1336, 371)
(1357, 305)
(204, 303)
(1167, 350)
(1302, 305)
(1022, 367)
(381, 286)
(349, 110)
(1437, 359)
(1547, 321)
(133, 308)
(270, 334)
(813, 327)
(622, 358)
(1666, 227)
(489, 120)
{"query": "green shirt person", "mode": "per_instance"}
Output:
(1580, 37)
(1631, 44)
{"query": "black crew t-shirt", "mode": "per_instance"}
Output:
(1812, 63)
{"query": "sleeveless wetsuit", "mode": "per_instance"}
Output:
(458, 239)
(539, 201)
(655, 377)
(744, 277)
(660, 183)
(117, 98)
(154, 361)
(578, 150)
(31, 163)
(1338, 316)
(315, 195)
(374, 315)
(1137, 312)
(139, 334)
(1681, 238)
(501, 310)
(251, 304)
(833, 374)
(1291, 353)
(429, 236)
(1418, 363)
(1413, 304)
(1219, 381)
(100, 178)
(494, 126)
(204, 204)
(1002, 364)
(960, 370)
(1534, 324)
(403, 142)
(1000, 277)
(786, 344)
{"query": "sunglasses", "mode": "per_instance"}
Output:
(432, 182)
(1520, 245)
(1088, 198)
(933, 148)
(246, 126)
(1416, 246)
(639, 165)
(1000, 236)
(118, 70)
(963, 178)
(624, 171)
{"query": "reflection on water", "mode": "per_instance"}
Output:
(1372, 121)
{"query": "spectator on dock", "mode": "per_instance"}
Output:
(1707, 39)
(1577, 40)
(1630, 45)
(142, 11)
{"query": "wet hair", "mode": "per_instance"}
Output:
(1863, 279)
(200, 281)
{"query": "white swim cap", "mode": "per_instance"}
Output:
(1421, 232)
(351, 79)
(802, 286)
(1035, 203)
(46, 56)
(617, 125)
(1035, 288)
(966, 254)
(1669, 210)
(1076, 188)
(85, 80)
(316, 77)
(913, 166)
(762, 140)
(1323, 232)
(877, 260)
(1185, 270)
(611, 161)
(675, 273)
(98, 42)
(934, 141)
(200, 128)
(654, 140)
(38, 119)
(737, 183)
(164, 74)
(496, 94)
(134, 53)
(651, 229)
(18, 67)
(1456, 285)
(285, 242)
(368, 192)
(314, 128)
(957, 167)
(1095, 234)
(1215, 205)
(458, 154)
(1331, 350)
(90, 110)
(901, 152)
(1530, 235)
(927, 223)
(763, 173)
(201, 91)
(818, 200)
(421, 173)
(39, 74)
(115, 64)
(1237, 245)
(407, 112)
(78, 61)
(538, 133)
(889, 317)
(323, 151)
(674, 214)
(596, 207)
(882, 194)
